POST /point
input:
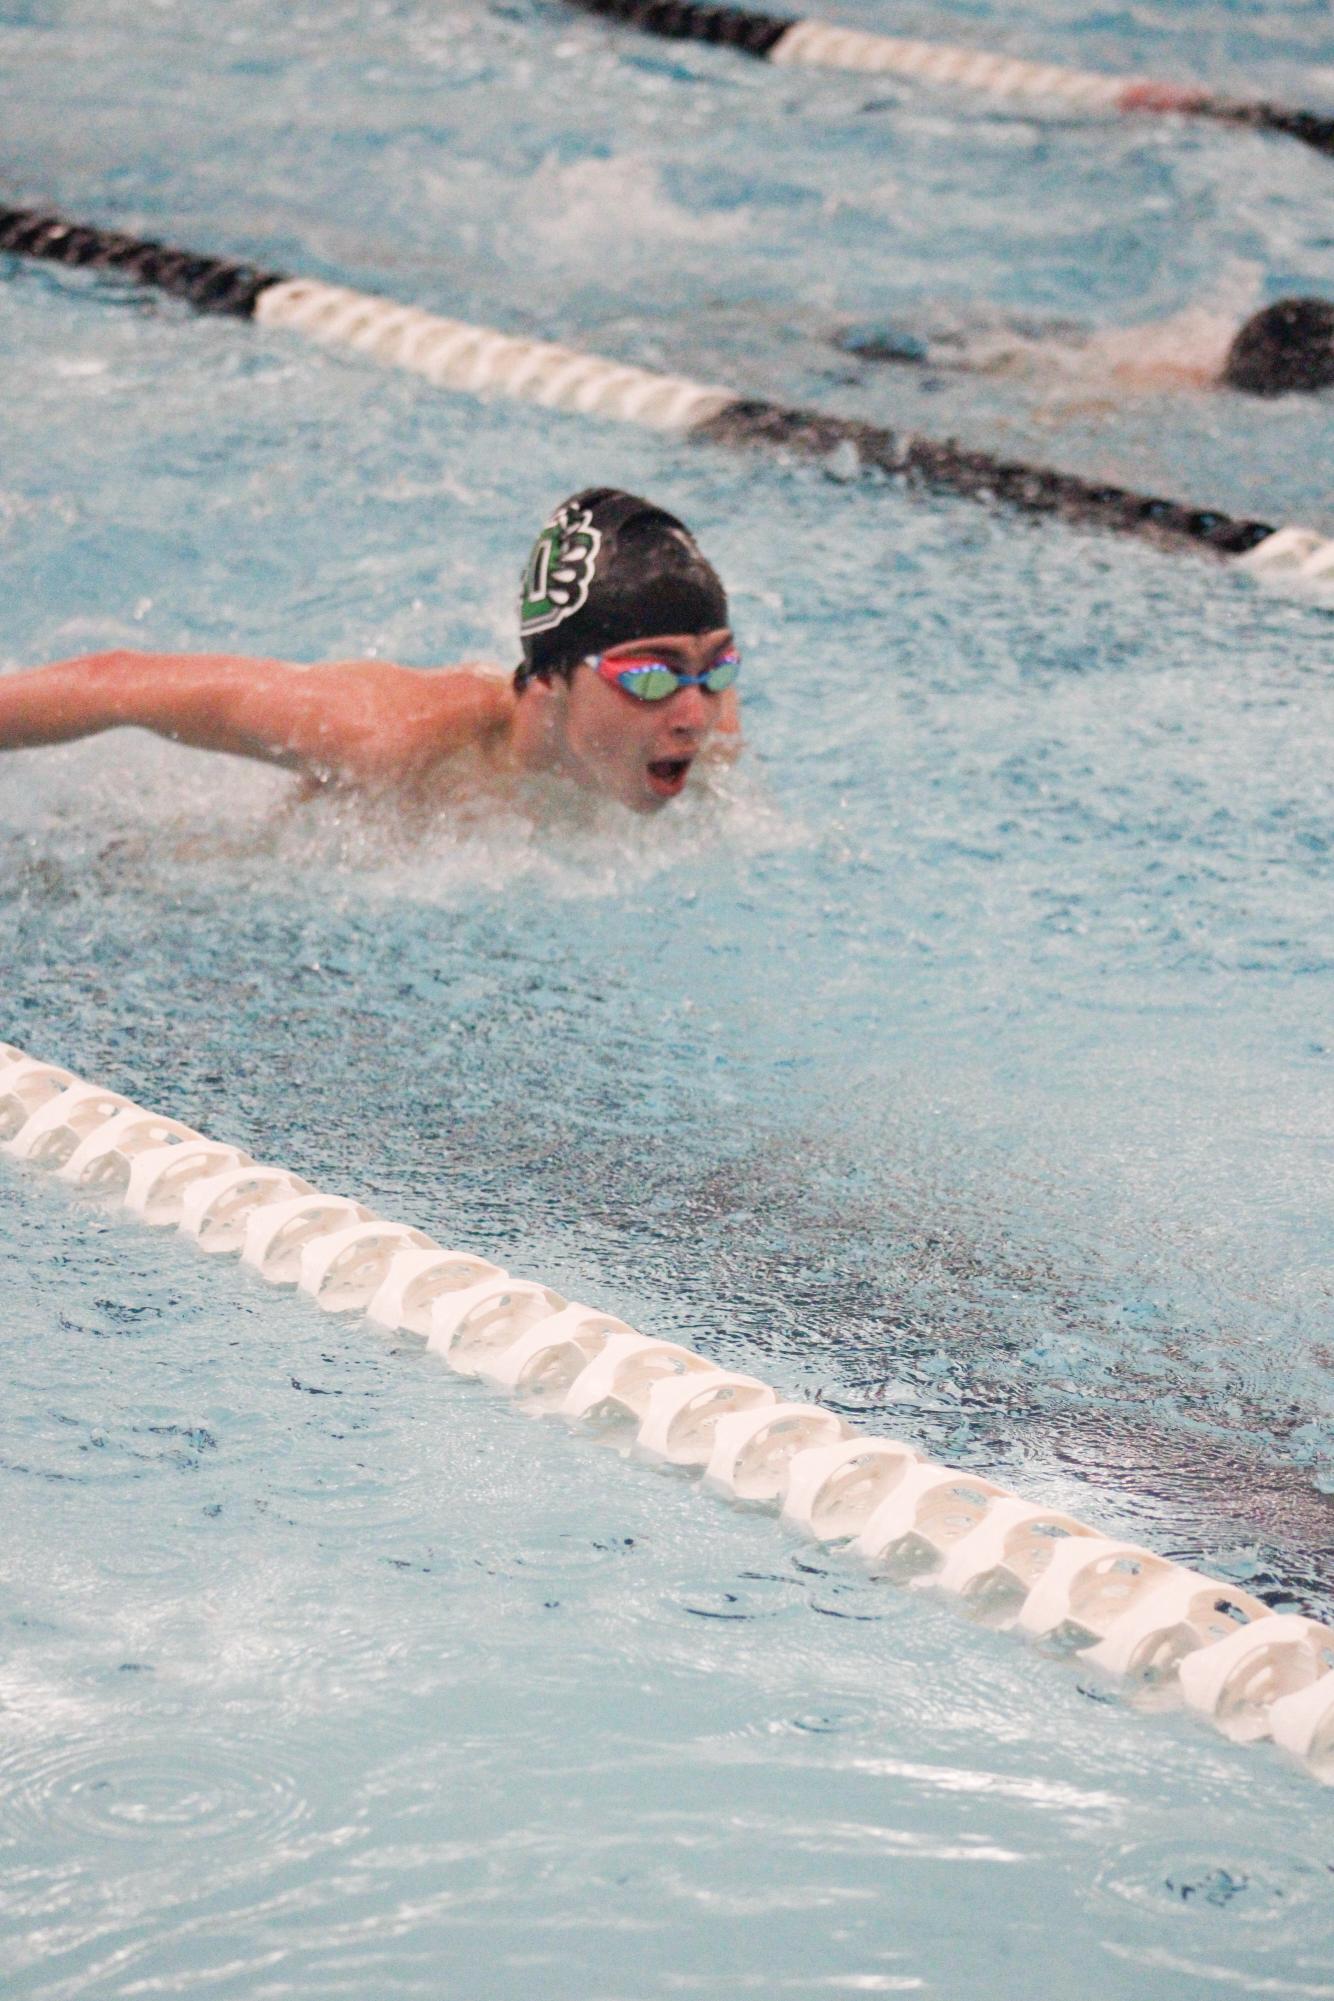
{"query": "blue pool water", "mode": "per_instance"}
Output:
(963, 1058)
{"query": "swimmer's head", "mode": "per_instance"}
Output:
(607, 568)
(1287, 348)
(616, 588)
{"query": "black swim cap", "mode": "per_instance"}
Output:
(606, 568)
(1289, 346)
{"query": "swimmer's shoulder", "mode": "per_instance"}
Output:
(392, 724)
(469, 704)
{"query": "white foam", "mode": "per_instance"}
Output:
(574, 215)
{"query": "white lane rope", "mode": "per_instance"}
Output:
(453, 355)
(1117, 1606)
(821, 45)
(778, 38)
(480, 361)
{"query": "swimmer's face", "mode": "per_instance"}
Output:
(641, 752)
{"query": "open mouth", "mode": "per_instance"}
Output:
(668, 774)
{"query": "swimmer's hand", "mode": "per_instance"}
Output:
(362, 722)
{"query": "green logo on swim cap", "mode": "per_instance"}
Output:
(560, 571)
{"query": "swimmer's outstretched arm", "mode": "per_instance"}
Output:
(359, 720)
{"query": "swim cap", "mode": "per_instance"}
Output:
(1288, 346)
(609, 567)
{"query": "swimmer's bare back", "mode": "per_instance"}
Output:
(1284, 349)
(362, 723)
(1186, 352)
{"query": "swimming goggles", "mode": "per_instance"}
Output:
(650, 680)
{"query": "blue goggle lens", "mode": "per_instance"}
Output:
(654, 680)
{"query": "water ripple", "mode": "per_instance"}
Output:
(1217, 1888)
(227, 1792)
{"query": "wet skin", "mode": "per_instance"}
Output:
(640, 753)
(372, 726)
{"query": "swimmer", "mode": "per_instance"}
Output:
(1286, 349)
(627, 677)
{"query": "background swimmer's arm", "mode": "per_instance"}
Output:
(362, 720)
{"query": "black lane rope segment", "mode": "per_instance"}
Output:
(687, 21)
(1312, 128)
(759, 35)
(221, 285)
(946, 465)
(209, 284)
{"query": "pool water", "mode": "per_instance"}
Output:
(963, 1057)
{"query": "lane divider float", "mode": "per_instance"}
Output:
(781, 38)
(1118, 1607)
(480, 361)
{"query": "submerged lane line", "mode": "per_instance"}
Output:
(781, 38)
(1122, 1609)
(479, 360)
